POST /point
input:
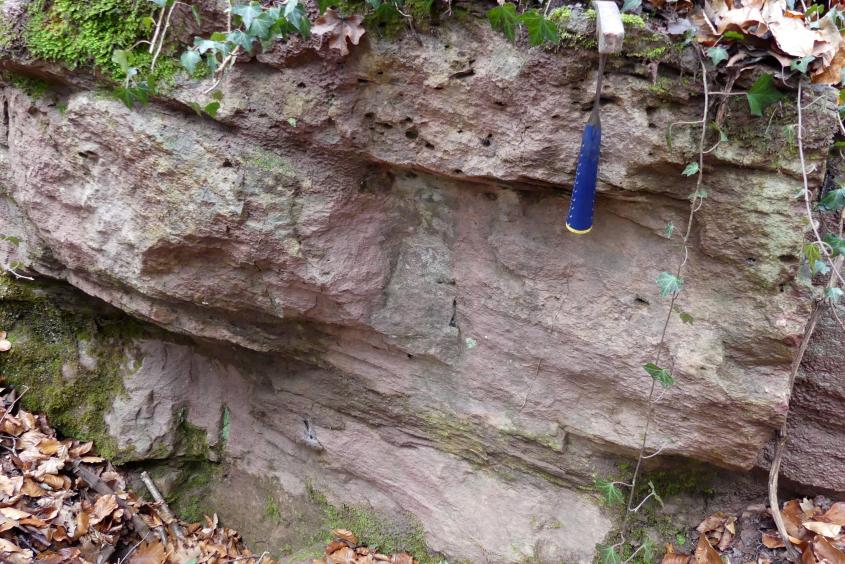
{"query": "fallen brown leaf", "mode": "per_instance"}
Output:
(771, 539)
(829, 530)
(339, 29)
(704, 553)
(345, 535)
(836, 514)
(807, 556)
(149, 553)
(826, 551)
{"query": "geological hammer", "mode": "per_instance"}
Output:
(610, 32)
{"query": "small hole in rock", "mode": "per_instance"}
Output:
(458, 171)
(411, 134)
(226, 163)
(300, 85)
(428, 145)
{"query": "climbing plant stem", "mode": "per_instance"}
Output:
(695, 205)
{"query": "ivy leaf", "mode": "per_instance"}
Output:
(631, 5)
(612, 495)
(211, 109)
(503, 18)
(660, 374)
(833, 200)
(801, 64)
(833, 294)
(540, 29)
(691, 169)
(195, 11)
(669, 284)
(190, 59)
(669, 229)
(837, 244)
(295, 14)
(717, 55)
(812, 254)
(121, 59)
(247, 12)
(242, 39)
(762, 95)
(260, 26)
(821, 267)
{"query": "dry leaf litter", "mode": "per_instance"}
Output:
(815, 528)
(60, 503)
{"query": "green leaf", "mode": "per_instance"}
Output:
(610, 556)
(833, 294)
(733, 35)
(833, 200)
(812, 254)
(247, 12)
(211, 109)
(292, 121)
(820, 267)
(691, 169)
(660, 374)
(814, 10)
(669, 229)
(612, 495)
(217, 95)
(654, 493)
(238, 37)
(687, 318)
(701, 193)
(801, 64)
(503, 18)
(15, 241)
(669, 284)
(225, 425)
(121, 59)
(717, 55)
(631, 5)
(762, 95)
(837, 244)
(159, 3)
(540, 29)
(196, 13)
(190, 59)
(260, 26)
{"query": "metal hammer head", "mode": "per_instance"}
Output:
(609, 27)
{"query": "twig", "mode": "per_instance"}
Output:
(171, 521)
(12, 405)
(809, 328)
(99, 486)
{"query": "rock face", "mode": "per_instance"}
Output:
(376, 244)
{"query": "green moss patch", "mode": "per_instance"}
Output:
(47, 341)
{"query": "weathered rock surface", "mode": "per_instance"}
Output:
(376, 244)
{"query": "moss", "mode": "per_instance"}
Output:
(561, 15)
(632, 21)
(377, 531)
(270, 162)
(46, 340)
(78, 34)
(187, 494)
(272, 510)
(34, 87)
(86, 34)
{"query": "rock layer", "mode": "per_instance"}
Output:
(383, 234)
